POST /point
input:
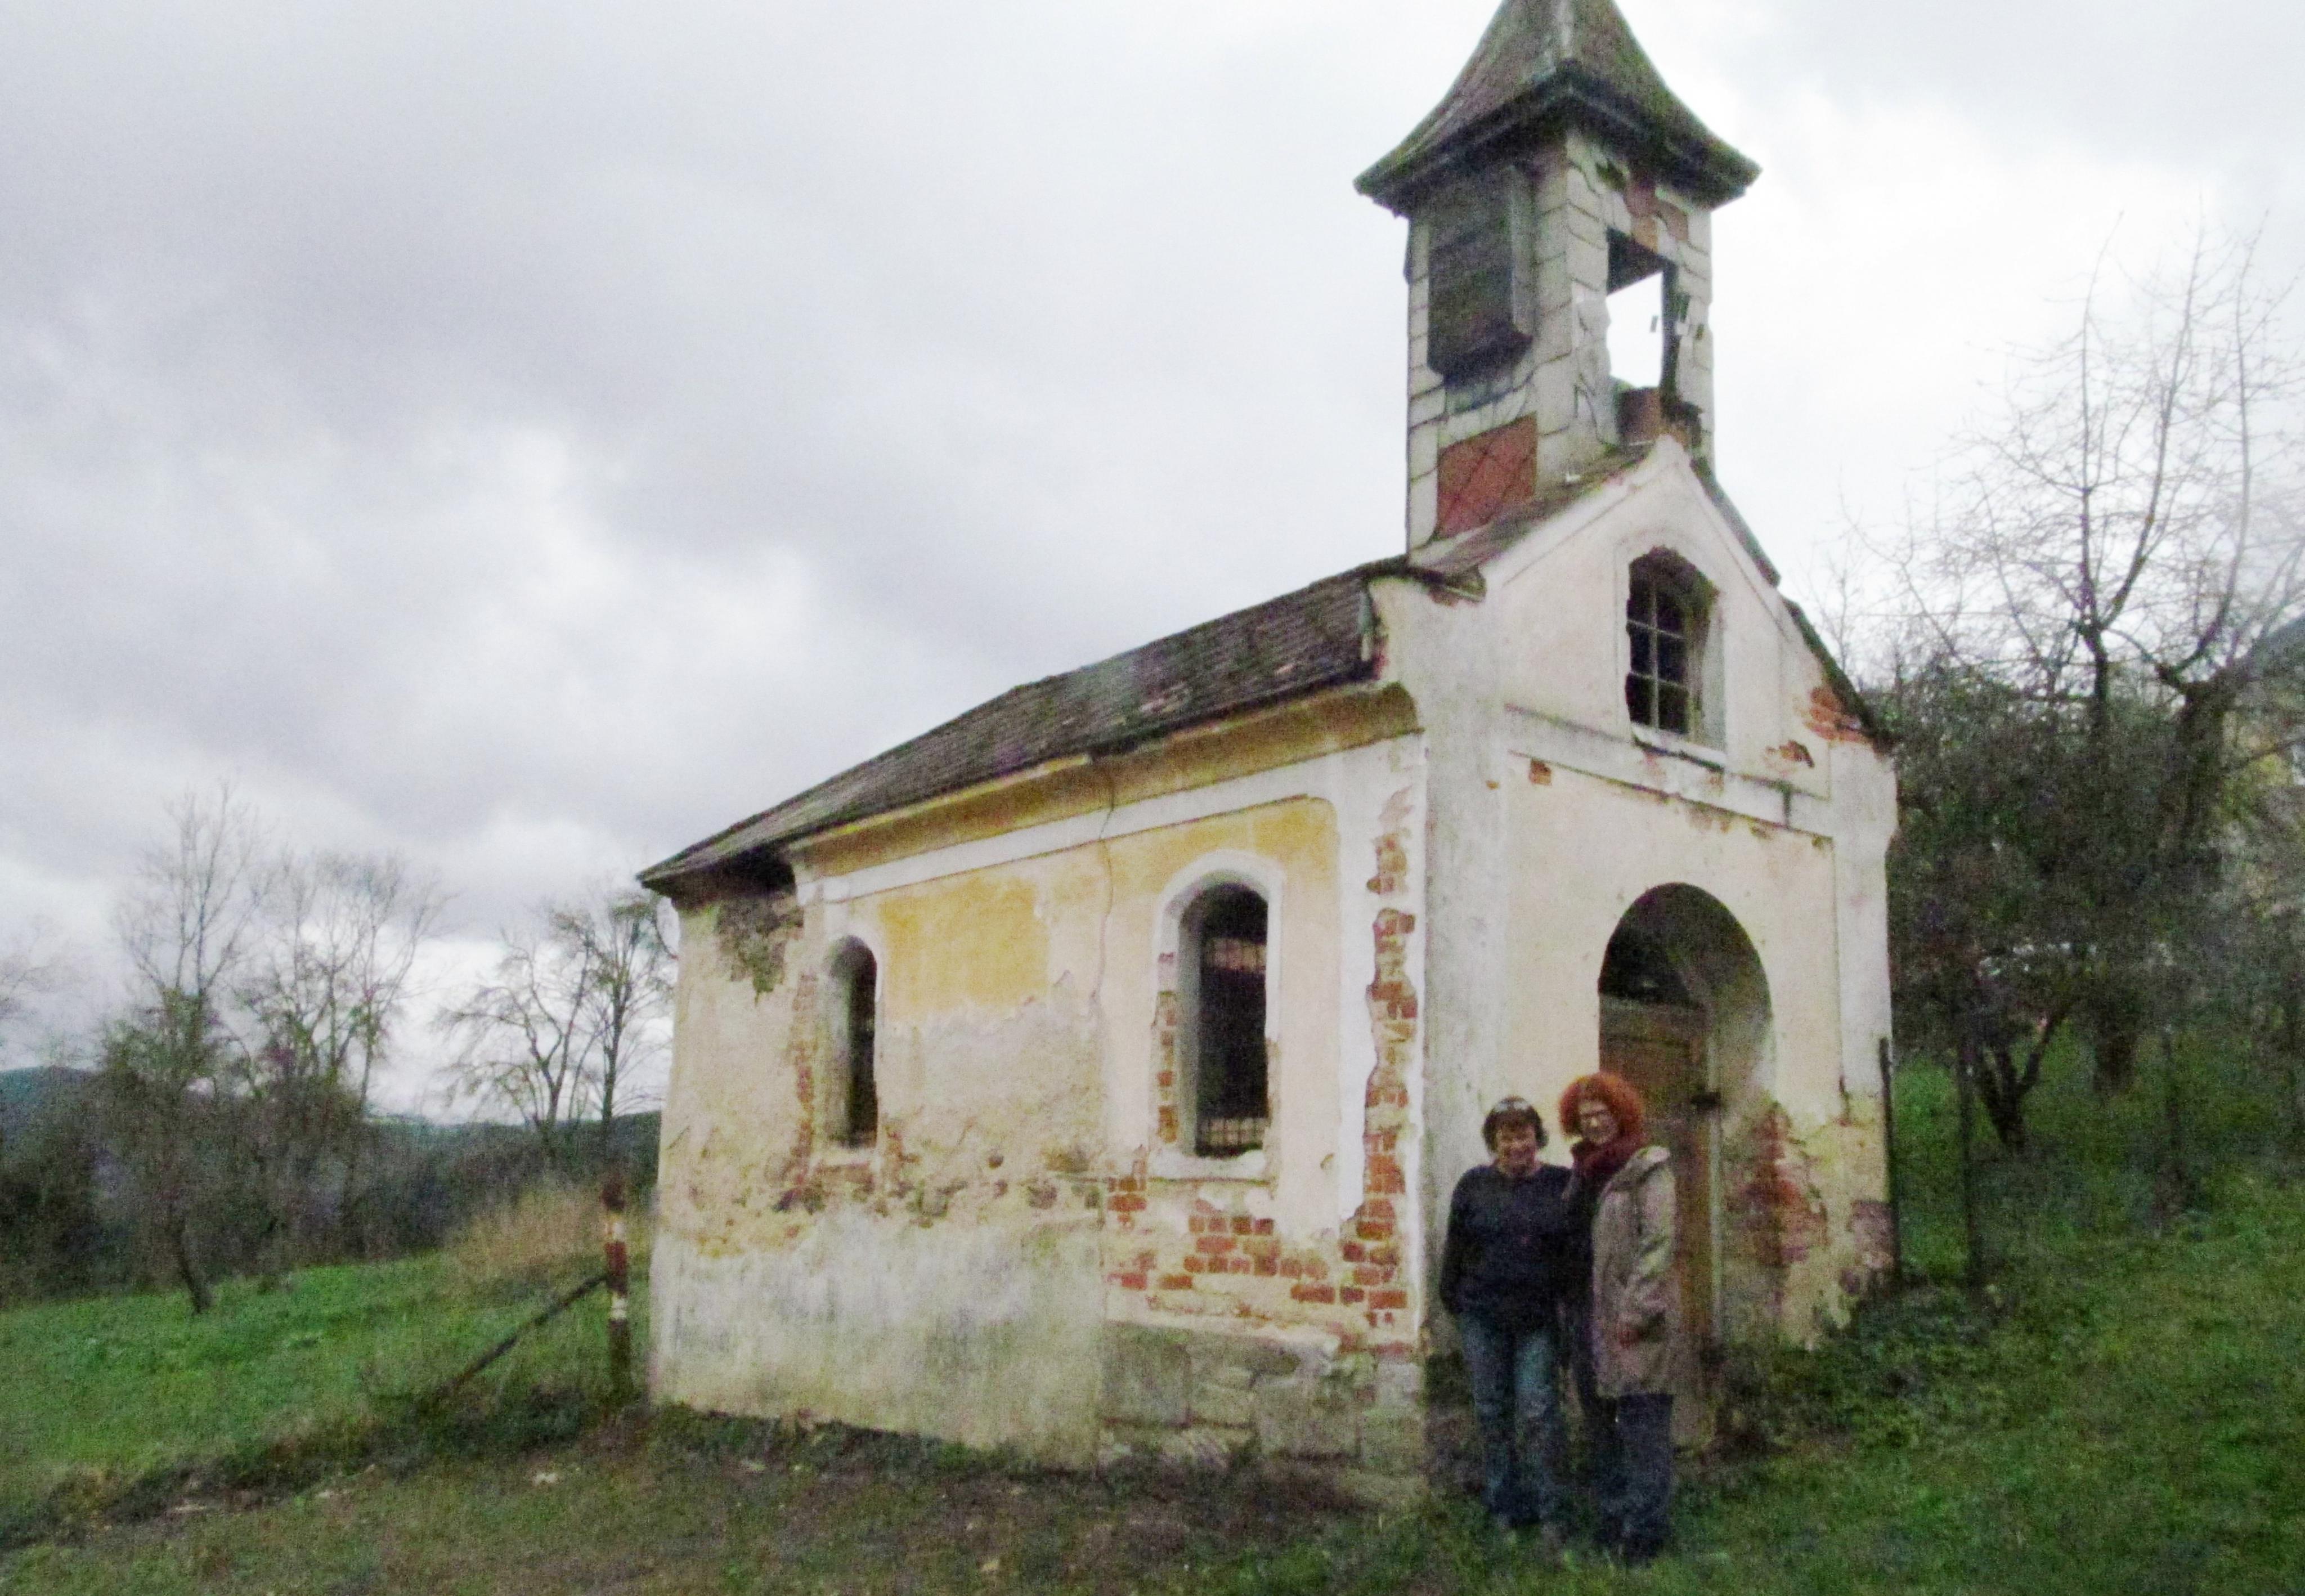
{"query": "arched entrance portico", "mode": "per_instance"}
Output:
(1685, 1018)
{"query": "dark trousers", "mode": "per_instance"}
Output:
(1516, 1380)
(1628, 1448)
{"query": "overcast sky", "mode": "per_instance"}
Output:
(533, 436)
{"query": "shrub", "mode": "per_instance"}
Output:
(547, 1234)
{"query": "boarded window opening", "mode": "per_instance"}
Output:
(1663, 621)
(1475, 319)
(860, 1105)
(1230, 1112)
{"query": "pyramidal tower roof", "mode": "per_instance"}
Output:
(1546, 64)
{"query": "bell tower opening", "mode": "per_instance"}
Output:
(1559, 203)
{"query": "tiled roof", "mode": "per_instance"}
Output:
(1321, 636)
(1554, 62)
(1316, 637)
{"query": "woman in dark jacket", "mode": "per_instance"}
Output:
(1513, 1250)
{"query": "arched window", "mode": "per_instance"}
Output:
(1666, 617)
(857, 1102)
(1221, 963)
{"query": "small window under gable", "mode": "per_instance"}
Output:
(1666, 622)
(857, 1103)
(1224, 955)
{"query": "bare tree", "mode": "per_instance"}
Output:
(2121, 550)
(329, 974)
(30, 968)
(575, 1006)
(185, 924)
(620, 938)
(520, 1037)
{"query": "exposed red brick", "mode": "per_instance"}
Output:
(1264, 1227)
(1268, 1266)
(1832, 719)
(1369, 1274)
(1194, 1263)
(1350, 1295)
(1485, 475)
(1373, 1230)
(1216, 1243)
(1176, 1283)
(1388, 1299)
(1313, 1294)
(1351, 1252)
(1130, 1281)
(1242, 1225)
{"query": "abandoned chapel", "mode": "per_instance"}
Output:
(1089, 1074)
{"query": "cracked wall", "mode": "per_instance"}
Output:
(1020, 1064)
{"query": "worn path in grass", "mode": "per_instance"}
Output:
(2135, 1422)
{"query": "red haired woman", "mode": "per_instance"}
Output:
(1626, 1333)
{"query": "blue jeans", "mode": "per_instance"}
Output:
(1628, 1448)
(1516, 1377)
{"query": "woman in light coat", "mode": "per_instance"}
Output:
(1627, 1339)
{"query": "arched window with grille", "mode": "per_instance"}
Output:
(1222, 968)
(856, 1105)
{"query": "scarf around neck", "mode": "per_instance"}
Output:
(1597, 1165)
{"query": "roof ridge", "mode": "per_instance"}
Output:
(1312, 637)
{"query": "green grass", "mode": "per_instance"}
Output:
(2125, 1412)
(105, 1393)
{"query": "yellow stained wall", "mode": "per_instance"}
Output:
(953, 1277)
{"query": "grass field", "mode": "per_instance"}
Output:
(2126, 1415)
(107, 1392)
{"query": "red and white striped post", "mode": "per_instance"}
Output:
(620, 1302)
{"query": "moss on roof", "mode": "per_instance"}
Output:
(1544, 64)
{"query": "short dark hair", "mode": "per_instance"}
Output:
(1511, 1110)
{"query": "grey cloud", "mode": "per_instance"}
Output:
(536, 436)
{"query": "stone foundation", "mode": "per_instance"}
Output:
(1207, 1398)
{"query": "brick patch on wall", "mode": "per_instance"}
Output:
(1227, 1261)
(1486, 475)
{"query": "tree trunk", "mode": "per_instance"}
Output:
(2178, 1190)
(2116, 1032)
(180, 1247)
(2002, 1089)
(1972, 1224)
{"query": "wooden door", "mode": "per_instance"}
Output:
(1659, 1049)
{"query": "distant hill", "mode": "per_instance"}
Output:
(36, 1095)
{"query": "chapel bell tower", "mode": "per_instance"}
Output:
(1558, 186)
